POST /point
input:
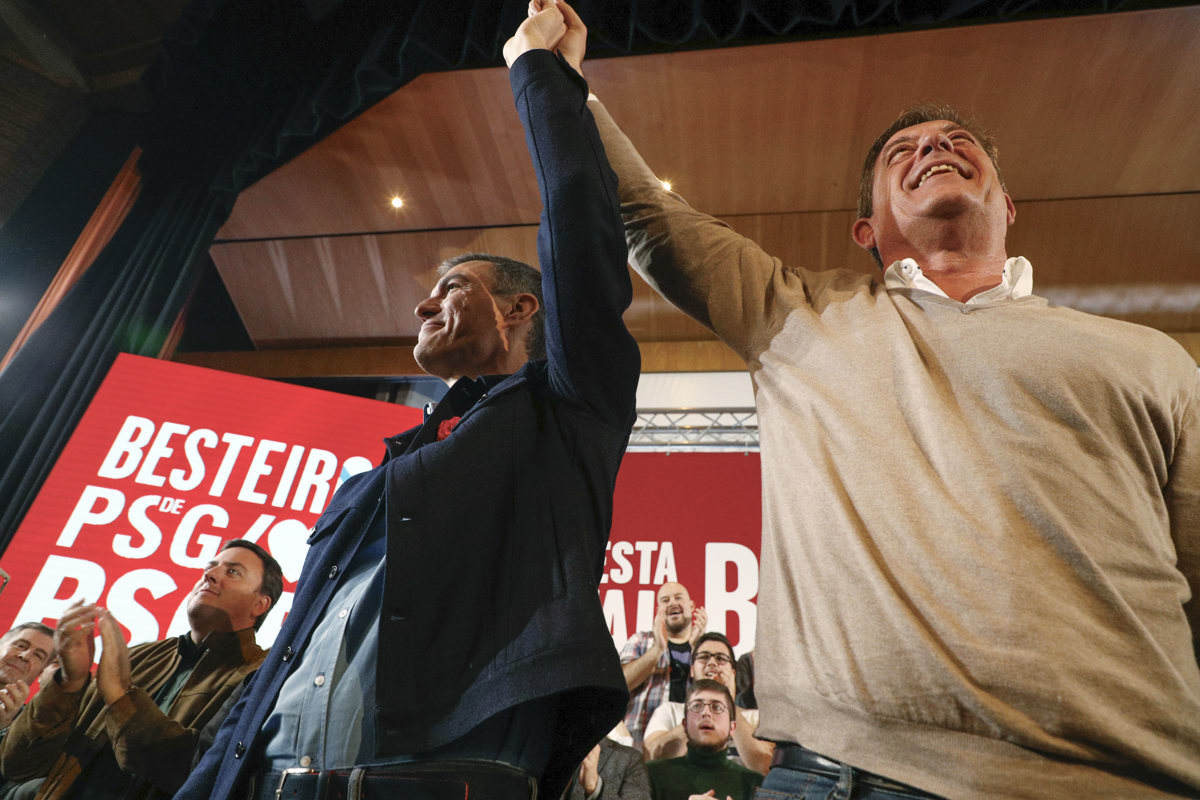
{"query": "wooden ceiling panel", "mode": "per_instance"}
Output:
(449, 144)
(362, 290)
(816, 241)
(785, 127)
(1095, 118)
(348, 288)
(1132, 258)
(652, 319)
(772, 128)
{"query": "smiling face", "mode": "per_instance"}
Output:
(227, 597)
(677, 607)
(926, 175)
(23, 654)
(466, 328)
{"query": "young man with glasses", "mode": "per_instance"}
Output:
(708, 722)
(666, 736)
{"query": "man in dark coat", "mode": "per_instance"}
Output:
(448, 606)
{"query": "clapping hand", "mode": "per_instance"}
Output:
(12, 697)
(113, 672)
(74, 639)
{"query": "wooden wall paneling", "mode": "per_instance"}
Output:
(775, 127)
(314, 362)
(328, 288)
(1094, 117)
(1134, 258)
(450, 143)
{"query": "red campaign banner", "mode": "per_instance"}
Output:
(171, 460)
(692, 518)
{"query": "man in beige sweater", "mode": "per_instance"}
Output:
(981, 541)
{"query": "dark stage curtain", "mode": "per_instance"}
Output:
(243, 85)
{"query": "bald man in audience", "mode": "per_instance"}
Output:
(657, 662)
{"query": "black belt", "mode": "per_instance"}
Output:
(441, 781)
(793, 756)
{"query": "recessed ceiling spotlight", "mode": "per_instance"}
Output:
(397, 202)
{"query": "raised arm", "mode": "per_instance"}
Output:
(661, 739)
(695, 261)
(581, 244)
(755, 753)
(1182, 494)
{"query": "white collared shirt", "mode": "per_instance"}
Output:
(1015, 282)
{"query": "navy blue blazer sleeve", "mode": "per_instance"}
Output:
(592, 358)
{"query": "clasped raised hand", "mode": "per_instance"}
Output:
(552, 25)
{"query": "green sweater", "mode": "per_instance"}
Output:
(980, 562)
(697, 773)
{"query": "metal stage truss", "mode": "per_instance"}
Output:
(695, 430)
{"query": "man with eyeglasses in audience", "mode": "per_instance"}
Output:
(666, 735)
(705, 770)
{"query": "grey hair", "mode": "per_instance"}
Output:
(512, 277)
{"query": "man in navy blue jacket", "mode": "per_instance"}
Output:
(448, 606)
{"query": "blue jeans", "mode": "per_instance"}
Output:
(852, 784)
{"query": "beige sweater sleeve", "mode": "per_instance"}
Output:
(715, 275)
(1182, 494)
